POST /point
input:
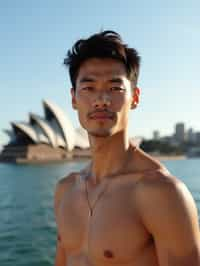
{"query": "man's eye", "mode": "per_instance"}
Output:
(117, 89)
(87, 88)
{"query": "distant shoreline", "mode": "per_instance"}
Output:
(86, 158)
(169, 157)
(42, 154)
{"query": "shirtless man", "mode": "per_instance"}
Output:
(125, 208)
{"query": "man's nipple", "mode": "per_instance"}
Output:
(108, 254)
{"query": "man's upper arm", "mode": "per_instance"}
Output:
(61, 187)
(170, 215)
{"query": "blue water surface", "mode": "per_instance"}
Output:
(27, 226)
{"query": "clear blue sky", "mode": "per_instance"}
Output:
(35, 36)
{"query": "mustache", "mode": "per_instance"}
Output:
(103, 111)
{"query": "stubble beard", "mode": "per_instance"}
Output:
(99, 134)
(101, 131)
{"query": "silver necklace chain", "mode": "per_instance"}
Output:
(91, 208)
(99, 196)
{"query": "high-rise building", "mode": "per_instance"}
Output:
(156, 135)
(197, 138)
(191, 137)
(180, 132)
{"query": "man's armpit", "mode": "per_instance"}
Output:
(60, 243)
(58, 237)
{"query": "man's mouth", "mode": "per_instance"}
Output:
(101, 115)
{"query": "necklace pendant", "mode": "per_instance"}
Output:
(91, 212)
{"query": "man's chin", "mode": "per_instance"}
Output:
(100, 134)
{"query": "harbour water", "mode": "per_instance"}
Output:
(27, 224)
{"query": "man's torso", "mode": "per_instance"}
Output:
(114, 233)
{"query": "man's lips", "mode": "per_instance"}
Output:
(101, 115)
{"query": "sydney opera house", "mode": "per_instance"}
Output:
(48, 138)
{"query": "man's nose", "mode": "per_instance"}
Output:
(102, 100)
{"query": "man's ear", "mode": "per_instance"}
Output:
(136, 97)
(73, 95)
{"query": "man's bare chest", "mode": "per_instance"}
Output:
(114, 230)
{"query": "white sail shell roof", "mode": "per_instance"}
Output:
(64, 123)
(41, 137)
(44, 125)
(81, 139)
(54, 129)
(27, 130)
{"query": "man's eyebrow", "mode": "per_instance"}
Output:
(116, 80)
(86, 79)
(90, 79)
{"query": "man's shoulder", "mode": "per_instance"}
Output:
(157, 183)
(161, 195)
(63, 185)
(66, 183)
(67, 180)
(160, 182)
(154, 174)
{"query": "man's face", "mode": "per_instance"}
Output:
(103, 96)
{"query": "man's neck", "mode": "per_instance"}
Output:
(109, 155)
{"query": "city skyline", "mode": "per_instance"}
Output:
(181, 133)
(37, 34)
(180, 130)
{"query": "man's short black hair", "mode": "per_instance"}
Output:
(106, 44)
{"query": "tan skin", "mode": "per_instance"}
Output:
(124, 208)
